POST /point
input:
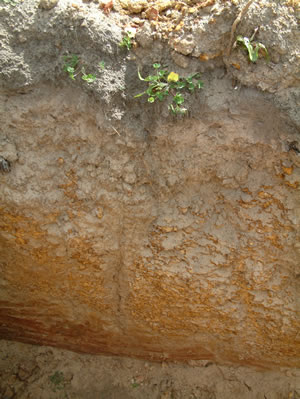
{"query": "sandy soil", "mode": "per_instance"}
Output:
(39, 372)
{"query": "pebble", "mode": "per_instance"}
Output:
(47, 4)
(134, 6)
(184, 46)
(180, 60)
(23, 374)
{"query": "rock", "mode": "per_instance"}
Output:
(166, 395)
(23, 374)
(184, 46)
(181, 60)
(152, 13)
(163, 4)
(8, 151)
(144, 37)
(130, 177)
(134, 6)
(5, 165)
(47, 4)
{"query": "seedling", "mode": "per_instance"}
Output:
(72, 67)
(101, 65)
(71, 64)
(253, 48)
(88, 77)
(11, 2)
(127, 40)
(135, 385)
(164, 84)
(57, 380)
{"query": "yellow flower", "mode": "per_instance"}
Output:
(173, 77)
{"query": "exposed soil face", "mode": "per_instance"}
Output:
(128, 231)
(30, 372)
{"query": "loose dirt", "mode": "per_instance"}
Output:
(40, 372)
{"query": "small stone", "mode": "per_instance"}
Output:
(184, 210)
(23, 374)
(164, 4)
(100, 213)
(130, 177)
(166, 395)
(137, 21)
(5, 166)
(152, 13)
(47, 4)
(144, 36)
(139, 379)
(181, 60)
(184, 46)
(134, 6)
(275, 57)
(8, 151)
(166, 229)
(22, 39)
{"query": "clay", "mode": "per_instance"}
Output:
(126, 230)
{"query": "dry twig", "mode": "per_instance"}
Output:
(235, 24)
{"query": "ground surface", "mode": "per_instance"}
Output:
(127, 231)
(33, 372)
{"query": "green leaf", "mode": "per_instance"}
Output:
(101, 65)
(69, 69)
(139, 95)
(200, 84)
(177, 110)
(253, 54)
(130, 34)
(161, 95)
(240, 39)
(135, 385)
(71, 60)
(89, 78)
(156, 66)
(11, 2)
(195, 76)
(191, 87)
(151, 78)
(178, 99)
(181, 110)
(161, 85)
(126, 41)
(172, 109)
(151, 91)
(180, 85)
(162, 73)
(151, 99)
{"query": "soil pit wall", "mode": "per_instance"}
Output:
(127, 231)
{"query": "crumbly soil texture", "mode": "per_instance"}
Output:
(130, 231)
(40, 372)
